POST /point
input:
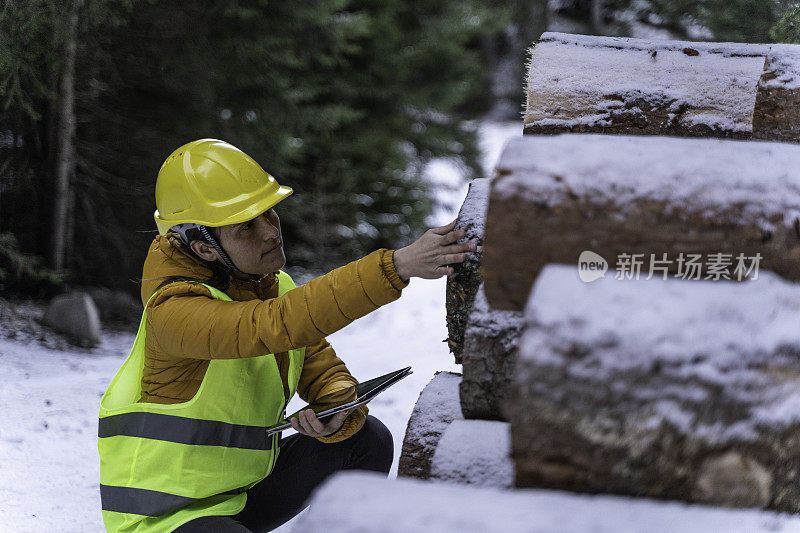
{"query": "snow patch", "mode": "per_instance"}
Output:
(438, 405)
(740, 338)
(420, 506)
(475, 452)
(701, 174)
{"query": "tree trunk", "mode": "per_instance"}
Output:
(319, 223)
(597, 17)
(65, 162)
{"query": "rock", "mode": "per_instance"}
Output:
(75, 314)
(670, 389)
(463, 284)
(436, 407)
(117, 308)
(403, 505)
(474, 452)
(582, 83)
(652, 196)
(489, 360)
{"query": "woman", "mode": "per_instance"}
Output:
(224, 342)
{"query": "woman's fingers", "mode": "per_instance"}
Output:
(307, 423)
(443, 271)
(301, 424)
(457, 248)
(445, 229)
(452, 236)
(296, 424)
(438, 247)
(449, 259)
(313, 422)
(338, 420)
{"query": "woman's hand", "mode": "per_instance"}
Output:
(428, 256)
(308, 424)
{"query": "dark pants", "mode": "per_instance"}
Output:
(303, 463)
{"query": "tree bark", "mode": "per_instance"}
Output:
(65, 161)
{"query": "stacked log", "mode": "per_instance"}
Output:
(581, 83)
(435, 409)
(661, 388)
(463, 285)
(490, 351)
(638, 195)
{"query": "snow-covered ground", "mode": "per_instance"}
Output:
(48, 420)
(49, 468)
(49, 399)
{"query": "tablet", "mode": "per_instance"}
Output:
(365, 392)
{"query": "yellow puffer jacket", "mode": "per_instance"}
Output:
(186, 327)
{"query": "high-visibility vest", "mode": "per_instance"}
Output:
(163, 465)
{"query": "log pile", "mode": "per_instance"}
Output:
(632, 312)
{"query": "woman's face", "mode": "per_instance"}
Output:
(255, 246)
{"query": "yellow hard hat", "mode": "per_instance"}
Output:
(212, 183)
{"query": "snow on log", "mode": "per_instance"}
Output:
(403, 505)
(462, 286)
(489, 356)
(581, 83)
(436, 407)
(671, 388)
(629, 195)
(474, 452)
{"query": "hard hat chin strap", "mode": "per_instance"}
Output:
(183, 229)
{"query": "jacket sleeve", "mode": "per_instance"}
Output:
(185, 321)
(325, 382)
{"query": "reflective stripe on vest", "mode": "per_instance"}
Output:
(140, 501)
(162, 465)
(184, 430)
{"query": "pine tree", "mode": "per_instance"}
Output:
(787, 29)
(719, 20)
(343, 100)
